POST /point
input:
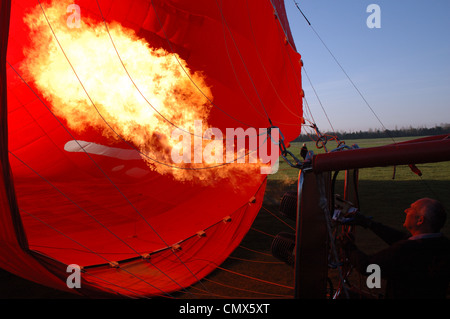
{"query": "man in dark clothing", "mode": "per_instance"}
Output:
(304, 151)
(415, 266)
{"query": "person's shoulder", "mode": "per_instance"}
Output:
(440, 243)
(445, 241)
(440, 239)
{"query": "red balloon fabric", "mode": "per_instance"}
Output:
(95, 91)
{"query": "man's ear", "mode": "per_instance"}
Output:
(420, 220)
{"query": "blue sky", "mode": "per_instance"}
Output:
(402, 69)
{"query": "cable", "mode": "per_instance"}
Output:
(262, 232)
(308, 109)
(135, 85)
(255, 279)
(224, 22)
(106, 122)
(255, 251)
(243, 275)
(263, 66)
(246, 290)
(318, 99)
(96, 164)
(91, 216)
(278, 218)
(161, 25)
(70, 238)
(257, 261)
(287, 57)
(343, 70)
(145, 155)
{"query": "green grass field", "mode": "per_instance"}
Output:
(251, 271)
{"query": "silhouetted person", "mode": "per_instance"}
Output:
(303, 151)
(416, 265)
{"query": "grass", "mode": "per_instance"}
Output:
(252, 272)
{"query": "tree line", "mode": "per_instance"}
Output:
(377, 133)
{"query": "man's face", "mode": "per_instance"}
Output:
(414, 216)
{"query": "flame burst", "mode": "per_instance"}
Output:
(129, 91)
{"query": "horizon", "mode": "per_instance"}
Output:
(444, 126)
(403, 128)
(401, 68)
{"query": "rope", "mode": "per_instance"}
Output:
(131, 79)
(91, 216)
(106, 122)
(254, 278)
(161, 25)
(345, 73)
(172, 166)
(243, 62)
(224, 22)
(318, 99)
(246, 290)
(255, 251)
(308, 109)
(284, 37)
(70, 238)
(263, 66)
(96, 164)
(257, 261)
(260, 231)
(234, 71)
(293, 228)
(243, 275)
(253, 261)
(133, 82)
(121, 287)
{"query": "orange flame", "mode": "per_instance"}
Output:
(137, 93)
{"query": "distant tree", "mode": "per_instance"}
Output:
(443, 128)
